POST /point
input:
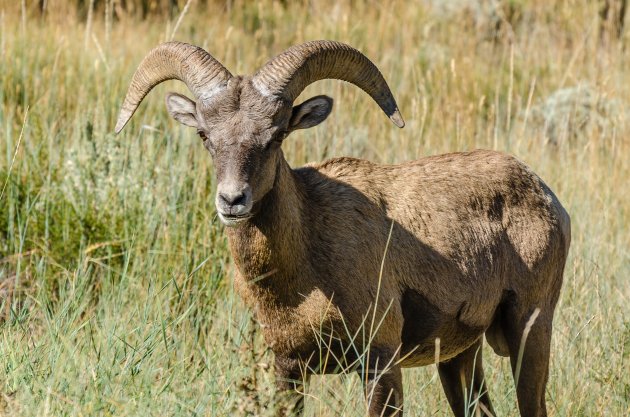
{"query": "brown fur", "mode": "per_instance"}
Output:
(478, 242)
(470, 231)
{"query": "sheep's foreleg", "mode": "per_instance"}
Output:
(383, 389)
(464, 384)
(290, 383)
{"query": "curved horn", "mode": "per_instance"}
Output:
(289, 73)
(202, 74)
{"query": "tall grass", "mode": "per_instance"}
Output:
(115, 279)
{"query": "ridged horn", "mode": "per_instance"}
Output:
(202, 74)
(289, 73)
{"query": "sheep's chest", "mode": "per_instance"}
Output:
(295, 326)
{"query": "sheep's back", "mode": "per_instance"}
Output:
(464, 226)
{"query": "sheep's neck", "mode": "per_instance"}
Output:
(270, 249)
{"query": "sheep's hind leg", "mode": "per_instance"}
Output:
(533, 369)
(463, 375)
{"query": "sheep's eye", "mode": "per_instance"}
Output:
(273, 144)
(202, 135)
(277, 141)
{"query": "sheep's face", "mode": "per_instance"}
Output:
(243, 131)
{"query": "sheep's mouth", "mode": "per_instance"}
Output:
(234, 219)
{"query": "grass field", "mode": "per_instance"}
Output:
(115, 280)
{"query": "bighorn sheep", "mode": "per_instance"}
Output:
(446, 247)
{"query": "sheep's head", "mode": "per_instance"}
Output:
(243, 120)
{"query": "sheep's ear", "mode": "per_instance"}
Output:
(310, 113)
(182, 109)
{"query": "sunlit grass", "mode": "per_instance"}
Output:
(115, 279)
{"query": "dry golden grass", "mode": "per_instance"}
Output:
(115, 284)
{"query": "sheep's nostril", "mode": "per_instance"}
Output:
(232, 200)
